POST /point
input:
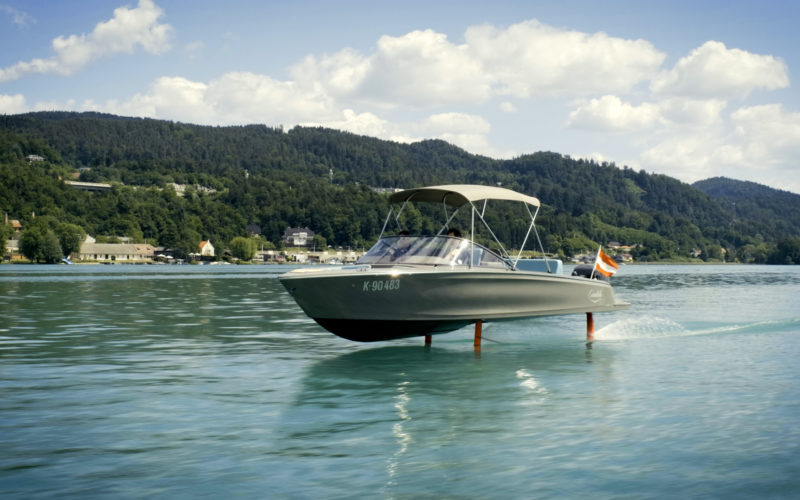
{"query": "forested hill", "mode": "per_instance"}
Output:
(271, 179)
(771, 208)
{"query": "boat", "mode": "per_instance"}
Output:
(420, 285)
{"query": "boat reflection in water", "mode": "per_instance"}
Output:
(409, 286)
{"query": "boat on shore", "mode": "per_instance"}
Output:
(416, 285)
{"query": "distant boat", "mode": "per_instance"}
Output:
(66, 261)
(407, 286)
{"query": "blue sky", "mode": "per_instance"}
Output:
(688, 89)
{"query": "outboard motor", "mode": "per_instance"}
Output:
(585, 271)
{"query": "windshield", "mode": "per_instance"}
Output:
(430, 250)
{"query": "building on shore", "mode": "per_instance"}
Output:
(115, 252)
(206, 249)
(298, 236)
(306, 257)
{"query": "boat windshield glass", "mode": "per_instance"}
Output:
(430, 250)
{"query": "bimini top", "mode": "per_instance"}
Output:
(458, 194)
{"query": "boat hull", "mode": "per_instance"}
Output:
(371, 304)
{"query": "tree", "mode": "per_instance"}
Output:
(6, 232)
(266, 244)
(40, 244)
(243, 248)
(70, 237)
(319, 243)
(51, 248)
(786, 252)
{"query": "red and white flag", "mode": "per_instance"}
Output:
(604, 264)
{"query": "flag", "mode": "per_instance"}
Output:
(604, 264)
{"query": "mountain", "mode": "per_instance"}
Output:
(257, 176)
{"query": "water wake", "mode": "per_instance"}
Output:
(658, 327)
(641, 328)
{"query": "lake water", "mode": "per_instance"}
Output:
(208, 381)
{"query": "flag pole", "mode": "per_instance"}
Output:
(596, 259)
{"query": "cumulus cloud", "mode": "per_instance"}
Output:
(455, 123)
(767, 134)
(691, 113)
(129, 29)
(684, 156)
(364, 124)
(464, 130)
(243, 97)
(763, 144)
(12, 104)
(169, 98)
(341, 73)
(423, 67)
(431, 127)
(610, 114)
(525, 60)
(531, 58)
(713, 70)
(420, 68)
(235, 98)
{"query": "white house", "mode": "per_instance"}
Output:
(298, 236)
(206, 249)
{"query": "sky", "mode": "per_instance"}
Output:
(690, 89)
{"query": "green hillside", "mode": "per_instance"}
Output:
(257, 176)
(775, 211)
(769, 214)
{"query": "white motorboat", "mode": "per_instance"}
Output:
(409, 285)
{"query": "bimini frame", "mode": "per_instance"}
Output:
(456, 196)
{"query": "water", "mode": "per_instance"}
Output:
(200, 381)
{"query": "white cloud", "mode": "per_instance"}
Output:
(12, 104)
(341, 74)
(713, 70)
(530, 59)
(763, 145)
(455, 123)
(127, 30)
(691, 113)
(368, 124)
(609, 113)
(687, 157)
(236, 98)
(242, 97)
(423, 68)
(170, 98)
(420, 68)
(767, 135)
(466, 131)
(68, 105)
